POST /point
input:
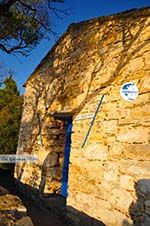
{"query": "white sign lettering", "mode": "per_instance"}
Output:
(84, 116)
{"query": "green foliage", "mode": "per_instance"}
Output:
(10, 115)
(23, 23)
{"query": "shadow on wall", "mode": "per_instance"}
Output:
(51, 168)
(55, 204)
(140, 210)
(42, 212)
(79, 218)
(51, 86)
(52, 89)
(127, 53)
(51, 172)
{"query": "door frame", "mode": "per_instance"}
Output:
(68, 118)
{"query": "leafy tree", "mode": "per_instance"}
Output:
(10, 115)
(23, 23)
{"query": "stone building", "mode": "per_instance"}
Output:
(108, 178)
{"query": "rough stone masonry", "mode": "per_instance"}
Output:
(109, 178)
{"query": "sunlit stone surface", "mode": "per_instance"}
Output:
(109, 177)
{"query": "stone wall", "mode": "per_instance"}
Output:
(109, 177)
(12, 210)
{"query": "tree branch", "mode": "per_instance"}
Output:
(5, 6)
(56, 11)
(27, 6)
(7, 3)
(26, 24)
(15, 48)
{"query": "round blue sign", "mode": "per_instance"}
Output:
(129, 91)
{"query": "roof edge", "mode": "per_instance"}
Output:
(92, 20)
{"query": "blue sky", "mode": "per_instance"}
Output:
(80, 10)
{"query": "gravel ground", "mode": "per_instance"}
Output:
(39, 216)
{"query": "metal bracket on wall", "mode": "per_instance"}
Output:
(92, 122)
